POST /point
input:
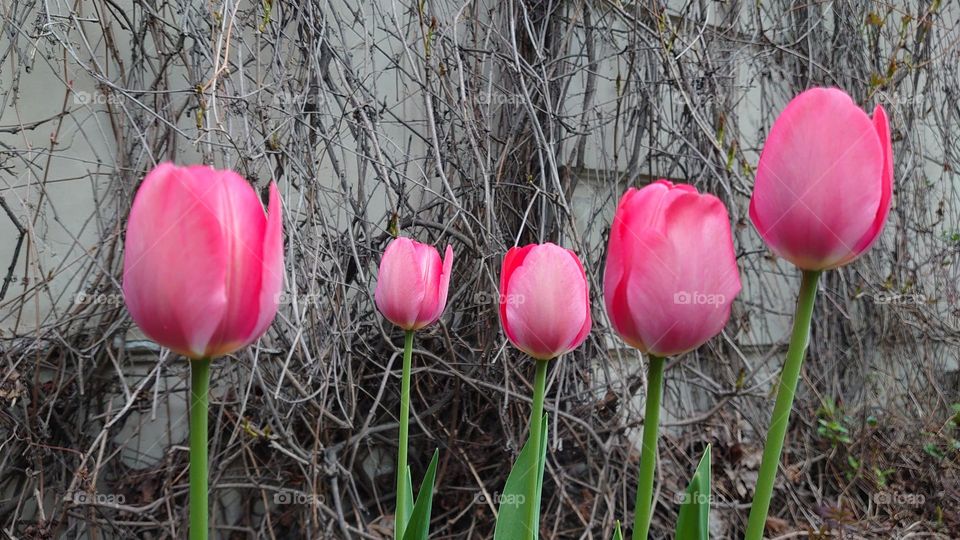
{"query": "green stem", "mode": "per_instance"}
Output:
(536, 428)
(781, 410)
(199, 404)
(400, 521)
(643, 509)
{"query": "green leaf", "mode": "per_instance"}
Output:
(407, 509)
(933, 451)
(617, 535)
(693, 523)
(418, 528)
(512, 517)
(542, 461)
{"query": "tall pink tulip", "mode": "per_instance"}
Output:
(825, 180)
(670, 279)
(412, 283)
(821, 198)
(203, 263)
(545, 312)
(544, 300)
(671, 273)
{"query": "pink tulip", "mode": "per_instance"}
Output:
(825, 180)
(671, 273)
(202, 264)
(544, 300)
(412, 283)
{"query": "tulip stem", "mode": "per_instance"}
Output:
(199, 405)
(643, 508)
(400, 519)
(536, 429)
(781, 410)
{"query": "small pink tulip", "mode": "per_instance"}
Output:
(202, 263)
(671, 273)
(825, 180)
(412, 283)
(544, 300)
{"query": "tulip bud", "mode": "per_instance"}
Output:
(202, 263)
(544, 300)
(671, 273)
(825, 180)
(412, 283)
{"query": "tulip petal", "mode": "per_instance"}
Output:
(619, 260)
(587, 322)
(543, 318)
(649, 293)
(400, 290)
(243, 224)
(430, 268)
(639, 211)
(271, 273)
(886, 195)
(816, 190)
(511, 261)
(177, 298)
(705, 277)
(671, 271)
(441, 289)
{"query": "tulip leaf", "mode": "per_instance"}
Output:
(617, 535)
(407, 509)
(693, 523)
(512, 517)
(418, 528)
(541, 463)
